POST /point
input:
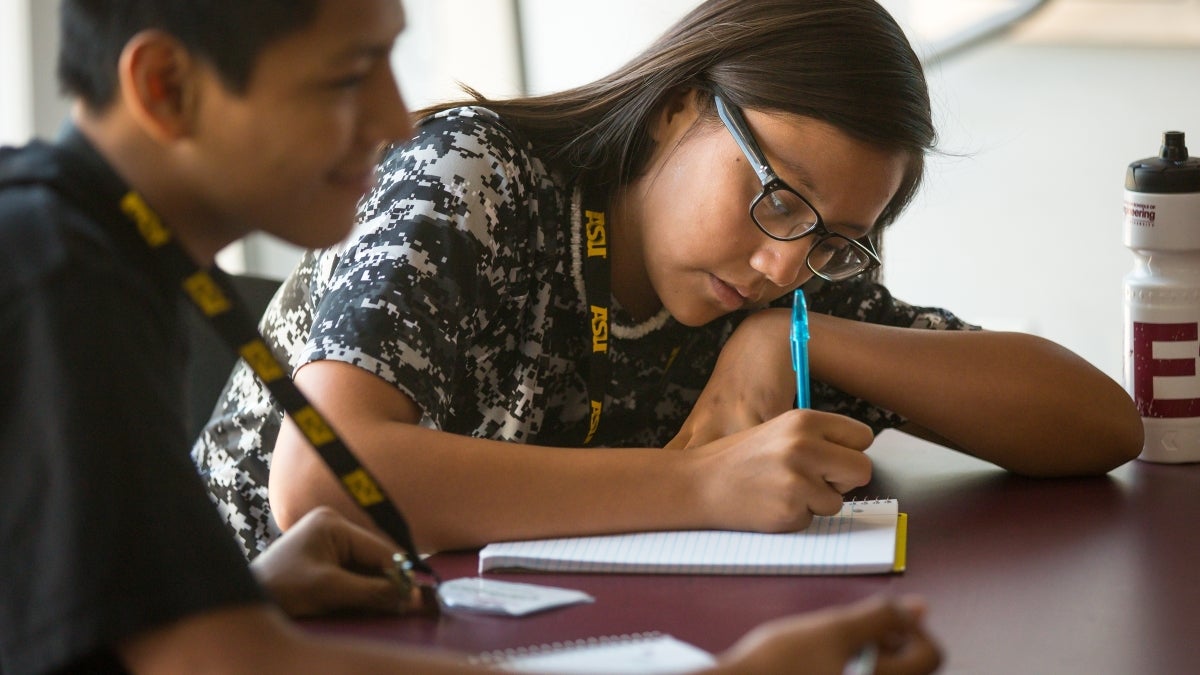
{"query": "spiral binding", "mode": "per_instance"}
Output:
(500, 656)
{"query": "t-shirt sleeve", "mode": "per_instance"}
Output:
(438, 259)
(107, 531)
(864, 300)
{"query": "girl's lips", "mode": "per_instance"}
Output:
(727, 295)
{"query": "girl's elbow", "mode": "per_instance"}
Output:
(1112, 434)
(1110, 441)
(1128, 438)
(288, 497)
(1122, 432)
(284, 507)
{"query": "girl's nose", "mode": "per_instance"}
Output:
(781, 262)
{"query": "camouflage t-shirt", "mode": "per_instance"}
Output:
(463, 286)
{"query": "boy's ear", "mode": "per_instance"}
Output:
(679, 107)
(159, 82)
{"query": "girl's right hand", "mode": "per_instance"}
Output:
(774, 477)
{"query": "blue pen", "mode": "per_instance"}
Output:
(865, 660)
(800, 347)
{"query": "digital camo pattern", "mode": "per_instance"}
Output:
(462, 286)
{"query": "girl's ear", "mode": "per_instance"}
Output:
(680, 108)
(159, 83)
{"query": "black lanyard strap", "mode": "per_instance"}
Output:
(590, 208)
(214, 296)
(597, 278)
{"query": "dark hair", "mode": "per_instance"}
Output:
(845, 62)
(228, 34)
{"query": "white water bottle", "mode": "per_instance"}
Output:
(1162, 299)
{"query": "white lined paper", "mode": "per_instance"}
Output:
(643, 654)
(861, 539)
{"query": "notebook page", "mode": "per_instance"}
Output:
(642, 654)
(861, 539)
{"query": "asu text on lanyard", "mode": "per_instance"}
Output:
(597, 276)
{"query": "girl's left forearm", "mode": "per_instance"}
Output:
(1016, 400)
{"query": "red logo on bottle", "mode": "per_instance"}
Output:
(1146, 367)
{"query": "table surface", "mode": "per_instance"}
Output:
(1088, 575)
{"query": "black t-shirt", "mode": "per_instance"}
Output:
(105, 528)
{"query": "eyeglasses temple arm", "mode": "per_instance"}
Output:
(736, 124)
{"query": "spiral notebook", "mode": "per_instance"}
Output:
(642, 653)
(866, 537)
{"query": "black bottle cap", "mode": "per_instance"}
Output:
(1171, 172)
(1173, 147)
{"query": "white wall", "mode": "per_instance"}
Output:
(50, 108)
(16, 115)
(568, 43)
(1024, 230)
(30, 104)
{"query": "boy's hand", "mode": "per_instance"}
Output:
(314, 567)
(823, 642)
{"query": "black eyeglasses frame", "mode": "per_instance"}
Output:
(735, 122)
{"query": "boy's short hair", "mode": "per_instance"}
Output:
(227, 34)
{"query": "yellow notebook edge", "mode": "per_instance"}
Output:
(901, 559)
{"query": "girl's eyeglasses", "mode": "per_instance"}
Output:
(785, 215)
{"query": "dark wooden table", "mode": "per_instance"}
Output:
(1095, 575)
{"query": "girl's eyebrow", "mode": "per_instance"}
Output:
(800, 178)
(852, 230)
(801, 183)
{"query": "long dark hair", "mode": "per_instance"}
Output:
(845, 62)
